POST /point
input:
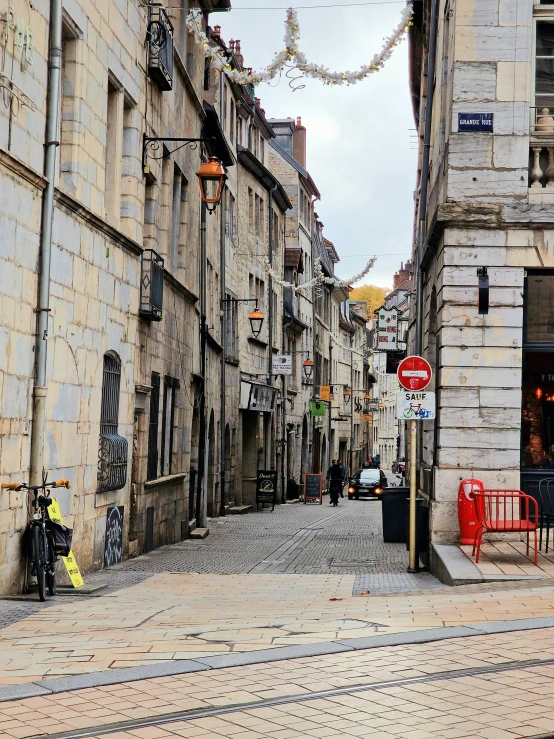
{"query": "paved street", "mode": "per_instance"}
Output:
(295, 623)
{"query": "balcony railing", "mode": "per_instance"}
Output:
(160, 48)
(541, 151)
(151, 286)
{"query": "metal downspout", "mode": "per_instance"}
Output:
(203, 339)
(45, 253)
(222, 414)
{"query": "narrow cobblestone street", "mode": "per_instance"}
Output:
(299, 539)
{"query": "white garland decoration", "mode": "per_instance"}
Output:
(292, 57)
(318, 278)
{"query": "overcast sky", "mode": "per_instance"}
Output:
(359, 138)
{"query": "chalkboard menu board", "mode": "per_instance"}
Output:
(313, 488)
(266, 487)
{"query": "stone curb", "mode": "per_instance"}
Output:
(182, 667)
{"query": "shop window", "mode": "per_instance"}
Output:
(537, 424)
(537, 427)
(539, 308)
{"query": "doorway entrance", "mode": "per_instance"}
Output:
(537, 406)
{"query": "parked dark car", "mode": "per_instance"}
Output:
(367, 483)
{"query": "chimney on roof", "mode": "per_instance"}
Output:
(403, 275)
(217, 31)
(299, 143)
(238, 55)
(232, 45)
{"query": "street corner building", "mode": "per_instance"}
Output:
(482, 86)
(139, 319)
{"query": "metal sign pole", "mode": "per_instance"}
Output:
(413, 491)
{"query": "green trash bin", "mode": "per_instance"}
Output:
(395, 513)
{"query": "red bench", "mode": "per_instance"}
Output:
(505, 511)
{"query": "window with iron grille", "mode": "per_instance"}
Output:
(152, 466)
(151, 285)
(112, 448)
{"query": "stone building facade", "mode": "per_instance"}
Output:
(160, 403)
(121, 384)
(489, 207)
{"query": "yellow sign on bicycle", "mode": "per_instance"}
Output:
(54, 514)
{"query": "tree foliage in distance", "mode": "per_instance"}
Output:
(372, 295)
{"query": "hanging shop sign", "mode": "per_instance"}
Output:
(373, 405)
(475, 122)
(393, 360)
(412, 406)
(282, 364)
(325, 393)
(254, 397)
(387, 329)
(266, 487)
(317, 408)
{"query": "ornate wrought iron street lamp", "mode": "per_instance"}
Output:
(308, 367)
(211, 177)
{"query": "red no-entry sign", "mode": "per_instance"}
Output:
(414, 373)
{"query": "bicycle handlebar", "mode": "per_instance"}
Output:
(21, 485)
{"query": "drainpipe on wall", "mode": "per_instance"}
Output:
(203, 339)
(45, 254)
(222, 415)
(352, 404)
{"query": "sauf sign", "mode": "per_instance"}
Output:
(416, 406)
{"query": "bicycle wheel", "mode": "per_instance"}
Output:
(39, 561)
(50, 566)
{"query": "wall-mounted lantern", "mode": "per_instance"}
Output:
(483, 296)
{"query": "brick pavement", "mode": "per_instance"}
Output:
(368, 696)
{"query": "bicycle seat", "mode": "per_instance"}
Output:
(43, 501)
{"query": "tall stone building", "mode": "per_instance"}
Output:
(129, 365)
(488, 223)
(117, 409)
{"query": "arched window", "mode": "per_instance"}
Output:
(112, 448)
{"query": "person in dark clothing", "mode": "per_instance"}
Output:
(336, 477)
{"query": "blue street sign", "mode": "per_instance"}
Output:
(475, 122)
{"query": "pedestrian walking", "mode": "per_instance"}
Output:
(335, 478)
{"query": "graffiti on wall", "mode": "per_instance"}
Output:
(113, 545)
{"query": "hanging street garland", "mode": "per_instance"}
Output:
(319, 277)
(292, 58)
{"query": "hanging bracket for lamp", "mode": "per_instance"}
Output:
(151, 147)
(483, 291)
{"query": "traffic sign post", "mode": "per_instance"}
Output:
(414, 374)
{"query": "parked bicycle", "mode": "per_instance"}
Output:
(44, 539)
